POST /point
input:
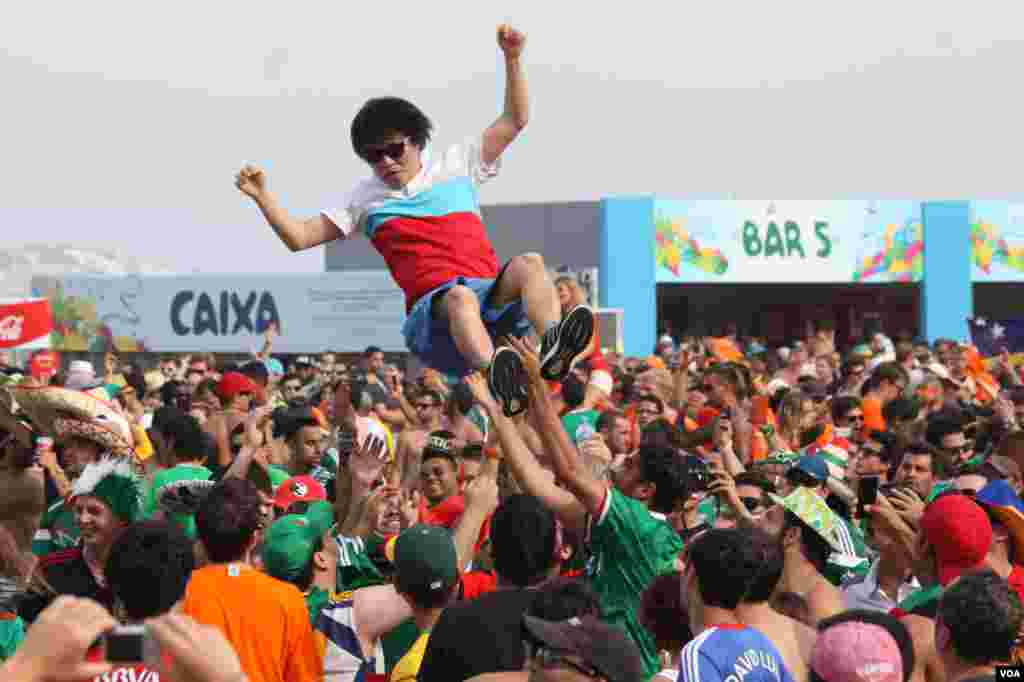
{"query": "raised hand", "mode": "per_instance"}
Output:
(481, 393)
(511, 41)
(367, 462)
(56, 644)
(531, 361)
(196, 653)
(482, 492)
(251, 181)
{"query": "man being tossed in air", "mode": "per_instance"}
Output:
(421, 212)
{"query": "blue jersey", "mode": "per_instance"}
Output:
(732, 653)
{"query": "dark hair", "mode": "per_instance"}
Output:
(887, 371)
(462, 398)
(149, 567)
(169, 391)
(816, 548)
(663, 468)
(983, 615)
(523, 536)
(370, 350)
(663, 611)
(651, 398)
(573, 391)
(735, 565)
(607, 419)
(756, 479)
(257, 371)
(565, 598)
(842, 405)
(189, 437)
(383, 115)
(941, 426)
(891, 625)
(227, 519)
(903, 409)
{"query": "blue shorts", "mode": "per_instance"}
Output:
(428, 338)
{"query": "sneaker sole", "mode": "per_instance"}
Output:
(574, 334)
(507, 381)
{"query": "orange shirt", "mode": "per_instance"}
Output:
(873, 420)
(264, 619)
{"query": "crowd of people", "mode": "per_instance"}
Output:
(719, 510)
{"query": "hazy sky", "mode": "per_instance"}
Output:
(123, 123)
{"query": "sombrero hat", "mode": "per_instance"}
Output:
(64, 412)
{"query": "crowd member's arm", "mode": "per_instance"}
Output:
(379, 609)
(481, 495)
(681, 383)
(365, 465)
(743, 432)
(568, 467)
(268, 342)
(723, 485)
(194, 653)
(297, 235)
(534, 479)
(245, 459)
(344, 412)
(723, 439)
(516, 112)
(392, 417)
(408, 411)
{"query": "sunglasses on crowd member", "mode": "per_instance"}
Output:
(394, 151)
(855, 418)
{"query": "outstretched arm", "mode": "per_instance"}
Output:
(517, 107)
(297, 235)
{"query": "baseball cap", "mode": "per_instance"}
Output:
(303, 361)
(299, 489)
(960, 533)
(603, 647)
(857, 652)
(235, 383)
(813, 466)
(289, 545)
(812, 510)
(425, 560)
(440, 443)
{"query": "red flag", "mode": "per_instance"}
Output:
(25, 324)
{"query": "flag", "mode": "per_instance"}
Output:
(992, 336)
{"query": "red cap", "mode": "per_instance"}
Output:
(960, 533)
(234, 383)
(299, 489)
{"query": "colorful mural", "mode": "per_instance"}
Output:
(901, 256)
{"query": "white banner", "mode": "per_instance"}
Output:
(338, 311)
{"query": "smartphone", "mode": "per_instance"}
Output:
(130, 644)
(867, 493)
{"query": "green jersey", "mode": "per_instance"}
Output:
(580, 425)
(630, 546)
(852, 563)
(58, 530)
(166, 477)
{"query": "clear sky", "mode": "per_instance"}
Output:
(123, 123)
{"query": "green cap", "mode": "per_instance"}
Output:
(425, 561)
(289, 545)
(321, 515)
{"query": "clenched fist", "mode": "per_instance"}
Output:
(251, 180)
(511, 41)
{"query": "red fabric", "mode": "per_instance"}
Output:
(477, 583)
(425, 252)
(898, 613)
(25, 322)
(448, 513)
(1016, 580)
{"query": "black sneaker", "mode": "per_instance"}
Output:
(506, 378)
(563, 342)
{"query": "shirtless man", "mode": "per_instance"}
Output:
(429, 408)
(793, 639)
(793, 522)
(22, 496)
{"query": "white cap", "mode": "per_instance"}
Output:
(602, 380)
(81, 367)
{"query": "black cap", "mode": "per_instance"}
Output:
(605, 648)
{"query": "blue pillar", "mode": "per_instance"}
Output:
(946, 297)
(627, 268)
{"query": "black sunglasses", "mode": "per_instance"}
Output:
(394, 151)
(855, 418)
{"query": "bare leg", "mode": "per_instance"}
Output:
(526, 277)
(462, 309)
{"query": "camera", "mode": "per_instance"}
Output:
(130, 644)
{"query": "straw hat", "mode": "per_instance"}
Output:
(64, 412)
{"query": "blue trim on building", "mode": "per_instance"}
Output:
(626, 274)
(947, 299)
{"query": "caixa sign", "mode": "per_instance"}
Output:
(223, 313)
